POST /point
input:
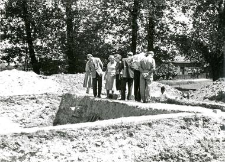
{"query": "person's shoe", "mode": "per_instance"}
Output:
(137, 99)
(99, 96)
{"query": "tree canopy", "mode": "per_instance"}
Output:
(59, 34)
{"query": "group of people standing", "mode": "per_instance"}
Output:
(121, 73)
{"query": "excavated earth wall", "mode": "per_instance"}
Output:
(78, 109)
(153, 132)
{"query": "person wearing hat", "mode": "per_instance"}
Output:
(147, 68)
(127, 76)
(96, 66)
(110, 75)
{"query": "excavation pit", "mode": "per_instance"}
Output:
(79, 109)
(139, 132)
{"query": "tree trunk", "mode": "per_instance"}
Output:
(215, 70)
(69, 29)
(223, 66)
(221, 33)
(134, 26)
(29, 40)
(150, 33)
(216, 64)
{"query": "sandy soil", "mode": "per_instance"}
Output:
(185, 138)
(212, 92)
(28, 100)
(30, 110)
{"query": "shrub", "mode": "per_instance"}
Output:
(165, 71)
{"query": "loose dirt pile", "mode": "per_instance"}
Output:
(14, 82)
(212, 92)
(69, 83)
(170, 91)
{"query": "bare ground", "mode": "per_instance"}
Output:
(185, 138)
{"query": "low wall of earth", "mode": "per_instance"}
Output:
(79, 109)
(134, 132)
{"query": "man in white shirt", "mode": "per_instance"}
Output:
(135, 66)
(147, 68)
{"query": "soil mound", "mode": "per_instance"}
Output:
(69, 83)
(170, 91)
(15, 82)
(213, 92)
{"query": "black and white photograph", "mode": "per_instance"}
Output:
(112, 81)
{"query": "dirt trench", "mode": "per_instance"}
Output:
(78, 109)
(124, 132)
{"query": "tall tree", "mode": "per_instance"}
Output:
(68, 30)
(153, 11)
(27, 18)
(134, 13)
(207, 38)
(70, 40)
(18, 21)
(151, 25)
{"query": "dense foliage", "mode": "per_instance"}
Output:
(59, 34)
(206, 41)
(165, 71)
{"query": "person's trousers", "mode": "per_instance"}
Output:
(97, 85)
(118, 82)
(137, 93)
(126, 81)
(145, 89)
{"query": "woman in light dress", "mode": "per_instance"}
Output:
(110, 76)
(87, 78)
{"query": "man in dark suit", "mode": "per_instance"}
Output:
(96, 66)
(127, 76)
